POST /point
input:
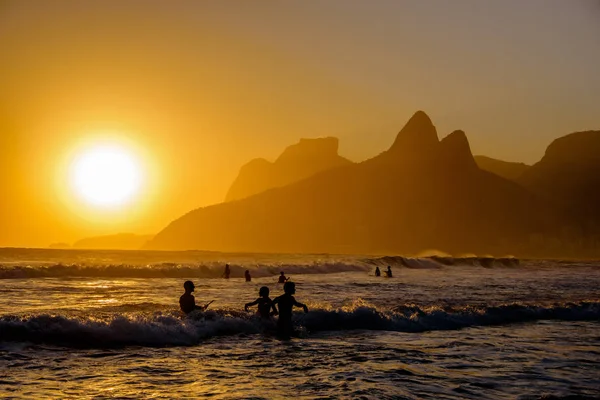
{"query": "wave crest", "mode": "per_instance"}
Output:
(215, 270)
(169, 329)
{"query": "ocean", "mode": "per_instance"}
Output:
(106, 324)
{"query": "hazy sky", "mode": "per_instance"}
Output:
(202, 87)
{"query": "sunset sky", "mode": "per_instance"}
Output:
(194, 89)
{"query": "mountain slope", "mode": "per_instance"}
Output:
(297, 162)
(420, 194)
(569, 176)
(505, 169)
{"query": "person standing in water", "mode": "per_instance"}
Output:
(264, 304)
(377, 271)
(187, 302)
(247, 276)
(388, 273)
(282, 278)
(286, 304)
(227, 272)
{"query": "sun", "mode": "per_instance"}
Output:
(106, 175)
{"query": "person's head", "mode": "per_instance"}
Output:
(389, 267)
(376, 267)
(263, 291)
(281, 273)
(289, 288)
(189, 286)
(247, 272)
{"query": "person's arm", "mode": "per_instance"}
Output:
(204, 307)
(274, 312)
(255, 302)
(298, 304)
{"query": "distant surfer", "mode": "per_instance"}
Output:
(227, 272)
(187, 302)
(286, 303)
(388, 273)
(282, 278)
(264, 304)
(247, 276)
(377, 271)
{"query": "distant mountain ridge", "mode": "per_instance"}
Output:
(120, 241)
(297, 162)
(422, 193)
(505, 169)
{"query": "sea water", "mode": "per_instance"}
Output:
(100, 324)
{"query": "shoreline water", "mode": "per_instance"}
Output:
(441, 328)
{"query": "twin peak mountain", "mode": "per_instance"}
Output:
(421, 194)
(417, 142)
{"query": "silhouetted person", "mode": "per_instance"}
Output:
(388, 273)
(187, 301)
(247, 276)
(227, 272)
(286, 303)
(282, 278)
(264, 304)
(377, 271)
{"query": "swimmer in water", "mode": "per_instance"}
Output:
(187, 302)
(265, 304)
(282, 278)
(286, 304)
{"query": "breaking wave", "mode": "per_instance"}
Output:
(169, 329)
(445, 261)
(169, 270)
(215, 269)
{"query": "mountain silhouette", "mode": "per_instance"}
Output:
(420, 194)
(569, 176)
(120, 241)
(297, 162)
(59, 246)
(505, 169)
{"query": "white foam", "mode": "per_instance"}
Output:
(164, 329)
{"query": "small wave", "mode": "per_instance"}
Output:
(169, 329)
(486, 262)
(121, 330)
(433, 262)
(215, 269)
(169, 270)
(422, 319)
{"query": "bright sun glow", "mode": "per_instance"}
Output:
(106, 175)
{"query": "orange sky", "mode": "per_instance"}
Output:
(203, 87)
